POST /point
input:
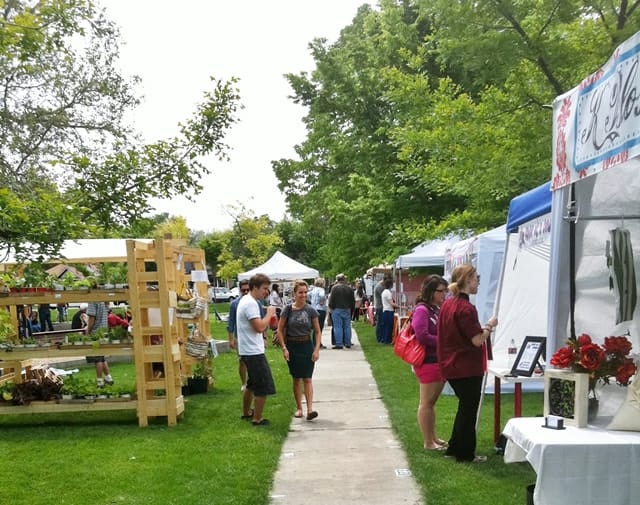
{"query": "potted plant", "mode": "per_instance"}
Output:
(6, 391)
(101, 335)
(68, 281)
(76, 339)
(201, 374)
(70, 387)
(118, 334)
(37, 278)
(30, 342)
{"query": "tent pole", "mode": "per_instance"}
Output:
(572, 263)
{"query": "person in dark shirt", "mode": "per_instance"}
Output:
(79, 319)
(341, 302)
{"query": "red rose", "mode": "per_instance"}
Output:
(617, 345)
(563, 357)
(591, 356)
(625, 371)
(584, 339)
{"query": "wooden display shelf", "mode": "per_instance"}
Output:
(68, 406)
(73, 296)
(152, 296)
(20, 354)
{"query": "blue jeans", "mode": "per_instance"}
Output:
(341, 326)
(387, 326)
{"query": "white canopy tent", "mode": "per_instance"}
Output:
(485, 252)
(95, 250)
(595, 244)
(282, 268)
(428, 254)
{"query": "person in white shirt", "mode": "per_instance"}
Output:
(251, 325)
(388, 307)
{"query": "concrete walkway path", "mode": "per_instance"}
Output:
(349, 454)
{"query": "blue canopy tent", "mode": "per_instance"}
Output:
(521, 300)
(528, 206)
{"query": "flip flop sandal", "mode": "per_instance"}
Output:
(312, 415)
(263, 422)
(247, 417)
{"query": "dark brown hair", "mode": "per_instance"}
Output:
(429, 286)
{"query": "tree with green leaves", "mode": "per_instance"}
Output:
(70, 166)
(427, 117)
(251, 241)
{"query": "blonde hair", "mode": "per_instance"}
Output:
(460, 277)
(319, 282)
(298, 284)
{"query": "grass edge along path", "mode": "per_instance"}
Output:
(442, 480)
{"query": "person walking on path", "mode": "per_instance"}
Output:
(298, 348)
(341, 303)
(232, 332)
(462, 354)
(354, 441)
(425, 327)
(251, 325)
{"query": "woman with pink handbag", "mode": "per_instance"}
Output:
(424, 322)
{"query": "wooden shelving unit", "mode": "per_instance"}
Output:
(159, 272)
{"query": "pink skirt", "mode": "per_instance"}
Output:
(428, 373)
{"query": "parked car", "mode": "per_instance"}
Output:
(235, 292)
(220, 294)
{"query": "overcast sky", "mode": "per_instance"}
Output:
(175, 46)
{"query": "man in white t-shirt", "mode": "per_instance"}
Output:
(251, 325)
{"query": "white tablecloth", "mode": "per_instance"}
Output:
(581, 466)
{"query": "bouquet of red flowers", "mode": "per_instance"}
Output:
(600, 362)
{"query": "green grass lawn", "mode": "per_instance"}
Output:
(211, 456)
(441, 480)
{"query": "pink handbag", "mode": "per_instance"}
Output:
(407, 347)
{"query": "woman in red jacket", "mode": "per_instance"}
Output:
(462, 357)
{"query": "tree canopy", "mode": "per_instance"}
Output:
(70, 165)
(427, 117)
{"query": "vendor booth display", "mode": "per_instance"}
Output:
(596, 209)
(429, 254)
(157, 272)
(593, 318)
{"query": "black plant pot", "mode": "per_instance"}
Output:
(197, 385)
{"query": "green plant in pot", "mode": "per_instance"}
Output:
(118, 334)
(201, 374)
(35, 276)
(6, 391)
(76, 338)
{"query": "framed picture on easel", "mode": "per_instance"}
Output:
(528, 356)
